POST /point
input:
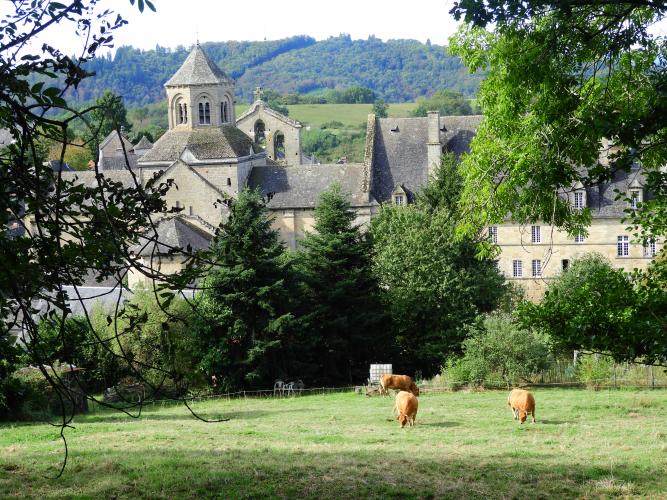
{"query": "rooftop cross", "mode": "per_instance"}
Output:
(259, 93)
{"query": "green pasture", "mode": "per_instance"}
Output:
(465, 445)
(350, 115)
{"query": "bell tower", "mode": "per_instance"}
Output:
(200, 94)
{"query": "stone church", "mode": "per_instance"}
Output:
(211, 155)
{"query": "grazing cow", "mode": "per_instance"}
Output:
(406, 407)
(398, 382)
(522, 403)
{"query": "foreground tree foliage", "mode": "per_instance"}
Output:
(434, 284)
(244, 306)
(347, 326)
(56, 233)
(575, 92)
(593, 307)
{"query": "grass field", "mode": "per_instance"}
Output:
(585, 444)
(350, 115)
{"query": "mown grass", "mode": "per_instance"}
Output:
(350, 115)
(585, 444)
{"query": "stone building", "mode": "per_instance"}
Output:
(210, 156)
(534, 254)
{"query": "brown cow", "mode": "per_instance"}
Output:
(522, 403)
(398, 382)
(406, 407)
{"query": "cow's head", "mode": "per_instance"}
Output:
(414, 389)
(403, 419)
(522, 416)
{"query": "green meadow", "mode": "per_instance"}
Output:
(584, 444)
(350, 115)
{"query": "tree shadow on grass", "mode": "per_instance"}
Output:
(555, 422)
(438, 424)
(256, 470)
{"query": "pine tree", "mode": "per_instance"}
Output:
(345, 315)
(244, 302)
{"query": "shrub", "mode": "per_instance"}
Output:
(497, 348)
(594, 370)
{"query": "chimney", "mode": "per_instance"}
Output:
(434, 147)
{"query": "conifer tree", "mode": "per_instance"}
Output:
(342, 295)
(244, 303)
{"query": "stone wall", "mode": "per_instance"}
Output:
(274, 125)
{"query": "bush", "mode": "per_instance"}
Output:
(594, 370)
(498, 349)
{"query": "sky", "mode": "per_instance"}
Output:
(182, 22)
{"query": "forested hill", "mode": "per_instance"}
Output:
(398, 70)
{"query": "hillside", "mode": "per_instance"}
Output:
(398, 70)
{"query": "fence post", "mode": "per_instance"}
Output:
(614, 375)
(652, 377)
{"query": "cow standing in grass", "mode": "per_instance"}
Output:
(398, 382)
(522, 403)
(406, 407)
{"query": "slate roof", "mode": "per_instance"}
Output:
(205, 143)
(144, 143)
(198, 69)
(301, 186)
(89, 179)
(113, 141)
(456, 132)
(601, 199)
(400, 154)
(172, 232)
(118, 162)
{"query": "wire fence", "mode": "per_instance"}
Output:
(560, 374)
(602, 374)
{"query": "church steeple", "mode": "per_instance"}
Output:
(200, 94)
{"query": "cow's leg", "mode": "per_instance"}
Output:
(533, 415)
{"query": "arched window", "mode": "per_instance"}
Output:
(224, 112)
(204, 113)
(260, 137)
(279, 146)
(181, 110)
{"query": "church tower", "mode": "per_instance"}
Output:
(200, 94)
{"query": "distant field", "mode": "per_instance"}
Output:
(465, 445)
(350, 115)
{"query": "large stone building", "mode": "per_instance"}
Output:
(210, 156)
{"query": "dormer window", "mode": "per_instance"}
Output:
(635, 194)
(399, 196)
(204, 113)
(579, 196)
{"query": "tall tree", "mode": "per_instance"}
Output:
(108, 115)
(244, 303)
(434, 283)
(346, 321)
(575, 91)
